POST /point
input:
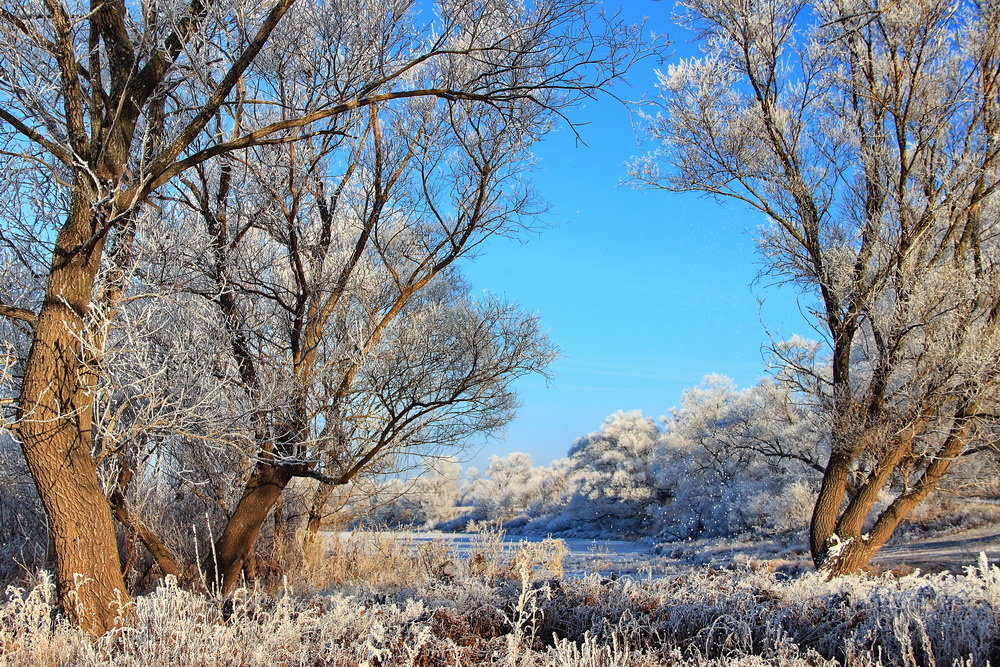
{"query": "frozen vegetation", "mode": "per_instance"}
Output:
(678, 542)
(732, 471)
(376, 600)
(233, 323)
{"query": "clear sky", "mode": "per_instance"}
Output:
(645, 292)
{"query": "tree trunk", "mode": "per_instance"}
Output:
(234, 546)
(850, 557)
(827, 507)
(317, 510)
(55, 429)
(161, 554)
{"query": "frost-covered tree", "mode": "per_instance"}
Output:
(610, 485)
(104, 103)
(868, 134)
(426, 500)
(331, 264)
(735, 461)
(513, 488)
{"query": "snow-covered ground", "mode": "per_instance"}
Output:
(584, 556)
(612, 557)
(946, 552)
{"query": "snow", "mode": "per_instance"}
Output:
(943, 553)
(951, 553)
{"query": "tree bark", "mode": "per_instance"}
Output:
(853, 557)
(55, 429)
(317, 510)
(827, 507)
(234, 547)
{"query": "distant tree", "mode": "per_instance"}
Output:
(425, 500)
(868, 134)
(499, 494)
(609, 484)
(731, 459)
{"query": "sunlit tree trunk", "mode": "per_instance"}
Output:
(235, 546)
(55, 428)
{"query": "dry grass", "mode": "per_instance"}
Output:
(517, 611)
(383, 561)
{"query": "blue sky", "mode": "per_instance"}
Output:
(645, 292)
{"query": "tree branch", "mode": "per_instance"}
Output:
(21, 314)
(63, 155)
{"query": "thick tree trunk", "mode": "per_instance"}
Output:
(56, 409)
(234, 547)
(828, 506)
(836, 539)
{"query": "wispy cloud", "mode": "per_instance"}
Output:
(592, 367)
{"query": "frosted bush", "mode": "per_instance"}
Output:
(512, 488)
(788, 510)
(608, 481)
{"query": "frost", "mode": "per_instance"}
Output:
(702, 616)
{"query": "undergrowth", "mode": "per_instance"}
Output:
(499, 607)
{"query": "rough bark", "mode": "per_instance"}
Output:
(55, 429)
(827, 508)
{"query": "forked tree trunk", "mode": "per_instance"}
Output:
(851, 557)
(55, 430)
(838, 544)
(234, 547)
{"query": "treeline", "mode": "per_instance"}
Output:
(727, 463)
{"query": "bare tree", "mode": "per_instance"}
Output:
(106, 102)
(867, 133)
(316, 252)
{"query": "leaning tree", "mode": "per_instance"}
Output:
(104, 103)
(868, 134)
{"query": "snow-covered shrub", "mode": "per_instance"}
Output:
(609, 485)
(789, 510)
